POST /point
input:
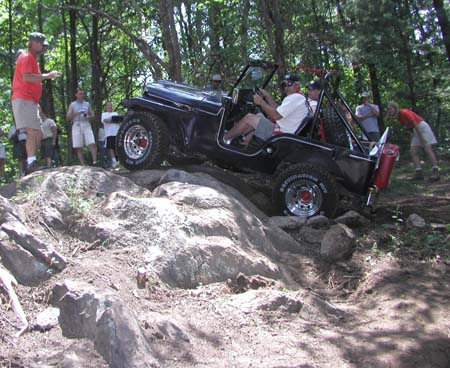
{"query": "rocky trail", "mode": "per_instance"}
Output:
(189, 268)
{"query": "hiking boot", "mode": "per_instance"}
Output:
(418, 176)
(435, 175)
(34, 166)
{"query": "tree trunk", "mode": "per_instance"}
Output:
(214, 33)
(46, 102)
(11, 60)
(96, 63)
(273, 24)
(444, 23)
(357, 80)
(73, 50)
(244, 31)
(374, 84)
(170, 38)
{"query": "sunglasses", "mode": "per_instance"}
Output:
(286, 84)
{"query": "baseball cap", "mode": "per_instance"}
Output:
(365, 94)
(314, 85)
(291, 78)
(216, 77)
(37, 36)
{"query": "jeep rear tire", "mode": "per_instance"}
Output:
(305, 190)
(335, 131)
(142, 141)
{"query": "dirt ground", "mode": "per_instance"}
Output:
(387, 306)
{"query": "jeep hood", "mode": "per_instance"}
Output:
(178, 93)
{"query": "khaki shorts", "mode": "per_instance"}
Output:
(26, 114)
(264, 129)
(426, 132)
(82, 134)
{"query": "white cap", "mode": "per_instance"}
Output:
(216, 77)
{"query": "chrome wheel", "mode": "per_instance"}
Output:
(304, 198)
(137, 141)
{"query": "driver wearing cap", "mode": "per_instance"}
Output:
(286, 116)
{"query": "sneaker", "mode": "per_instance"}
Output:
(435, 175)
(226, 141)
(34, 166)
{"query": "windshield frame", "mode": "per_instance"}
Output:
(268, 70)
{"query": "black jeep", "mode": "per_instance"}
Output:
(310, 168)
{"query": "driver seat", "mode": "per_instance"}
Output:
(307, 120)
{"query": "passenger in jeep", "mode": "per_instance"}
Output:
(285, 117)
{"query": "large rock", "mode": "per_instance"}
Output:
(104, 319)
(192, 229)
(415, 221)
(352, 219)
(27, 269)
(337, 243)
(288, 222)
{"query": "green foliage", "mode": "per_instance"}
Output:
(402, 40)
(74, 192)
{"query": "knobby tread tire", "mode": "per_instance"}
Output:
(335, 131)
(306, 173)
(158, 148)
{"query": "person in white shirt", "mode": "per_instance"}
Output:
(48, 142)
(314, 89)
(79, 114)
(287, 116)
(111, 129)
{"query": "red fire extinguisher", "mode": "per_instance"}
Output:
(388, 157)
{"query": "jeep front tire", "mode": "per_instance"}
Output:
(305, 190)
(142, 141)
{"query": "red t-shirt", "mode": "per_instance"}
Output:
(26, 64)
(406, 118)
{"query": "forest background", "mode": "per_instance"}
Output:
(394, 49)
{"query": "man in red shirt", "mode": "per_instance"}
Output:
(26, 93)
(423, 137)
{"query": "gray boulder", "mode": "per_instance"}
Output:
(337, 243)
(104, 319)
(414, 221)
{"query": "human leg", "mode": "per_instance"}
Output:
(93, 150)
(89, 139)
(245, 125)
(414, 151)
(430, 154)
(26, 116)
(2, 170)
(2, 162)
(80, 155)
(78, 141)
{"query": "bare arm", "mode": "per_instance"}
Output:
(268, 108)
(33, 77)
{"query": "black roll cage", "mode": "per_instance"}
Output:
(332, 98)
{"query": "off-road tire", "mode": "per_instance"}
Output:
(142, 141)
(335, 131)
(305, 190)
